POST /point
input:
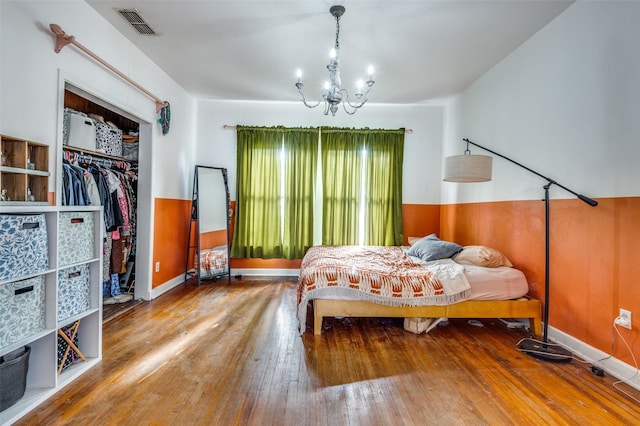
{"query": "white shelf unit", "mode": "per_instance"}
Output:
(42, 378)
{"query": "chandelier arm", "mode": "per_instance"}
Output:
(357, 104)
(344, 106)
(304, 100)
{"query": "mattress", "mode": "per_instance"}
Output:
(501, 283)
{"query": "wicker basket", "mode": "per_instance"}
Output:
(13, 376)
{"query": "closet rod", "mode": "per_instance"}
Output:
(230, 127)
(93, 159)
(62, 39)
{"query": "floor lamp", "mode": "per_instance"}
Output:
(477, 168)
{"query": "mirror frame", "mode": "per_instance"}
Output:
(197, 194)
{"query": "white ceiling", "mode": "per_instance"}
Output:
(250, 50)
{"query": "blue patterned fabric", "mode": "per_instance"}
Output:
(21, 309)
(23, 245)
(75, 238)
(73, 291)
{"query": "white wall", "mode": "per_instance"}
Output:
(565, 103)
(31, 73)
(422, 152)
(29, 82)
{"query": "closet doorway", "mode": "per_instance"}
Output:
(127, 244)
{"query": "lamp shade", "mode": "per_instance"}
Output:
(467, 168)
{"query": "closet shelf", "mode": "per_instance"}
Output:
(24, 203)
(7, 169)
(96, 154)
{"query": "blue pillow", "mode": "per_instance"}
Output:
(432, 248)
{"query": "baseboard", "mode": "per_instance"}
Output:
(613, 366)
(165, 287)
(266, 272)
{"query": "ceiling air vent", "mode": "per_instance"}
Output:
(137, 22)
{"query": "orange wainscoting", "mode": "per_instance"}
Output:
(172, 225)
(594, 254)
(170, 232)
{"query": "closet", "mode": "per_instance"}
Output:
(93, 175)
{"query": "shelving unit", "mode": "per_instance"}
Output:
(42, 379)
(25, 166)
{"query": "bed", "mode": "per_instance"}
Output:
(372, 281)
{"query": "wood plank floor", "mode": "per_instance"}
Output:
(223, 354)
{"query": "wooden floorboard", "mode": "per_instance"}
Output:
(231, 354)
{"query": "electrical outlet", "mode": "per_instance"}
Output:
(624, 319)
(157, 266)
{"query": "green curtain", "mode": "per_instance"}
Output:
(383, 197)
(362, 186)
(276, 175)
(300, 161)
(257, 229)
(342, 164)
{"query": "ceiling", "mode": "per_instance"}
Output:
(421, 51)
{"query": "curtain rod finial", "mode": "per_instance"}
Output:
(62, 39)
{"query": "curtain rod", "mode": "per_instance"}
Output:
(231, 127)
(62, 39)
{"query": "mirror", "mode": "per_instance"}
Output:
(211, 198)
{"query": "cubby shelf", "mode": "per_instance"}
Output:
(42, 379)
(24, 168)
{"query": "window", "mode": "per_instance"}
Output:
(361, 185)
(276, 175)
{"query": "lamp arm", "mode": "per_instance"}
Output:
(584, 198)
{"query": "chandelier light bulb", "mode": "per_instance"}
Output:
(370, 72)
(327, 85)
(332, 53)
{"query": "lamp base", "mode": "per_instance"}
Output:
(544, 351)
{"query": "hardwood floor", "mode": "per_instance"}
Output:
(223, 354)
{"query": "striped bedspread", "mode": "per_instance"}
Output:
(384, 275)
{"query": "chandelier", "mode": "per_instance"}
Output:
(333, 94)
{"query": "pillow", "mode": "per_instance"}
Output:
(413, 240)
(432, 248)
(482, 256)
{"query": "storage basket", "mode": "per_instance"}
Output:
(72, 356)
(130, 150)
(22, 309)
(108, 140)
(13, 376)
(78, 130)
(75, 237)
(24, 248)
(74, 295)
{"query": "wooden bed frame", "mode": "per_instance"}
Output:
(523, 307)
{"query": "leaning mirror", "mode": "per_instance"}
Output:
(211, 200)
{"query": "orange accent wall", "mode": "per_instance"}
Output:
(172, 226)
(419, 220)
(593, 265)
(170, 232)
(265, 263)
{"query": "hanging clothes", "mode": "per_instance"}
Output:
(89, 180)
